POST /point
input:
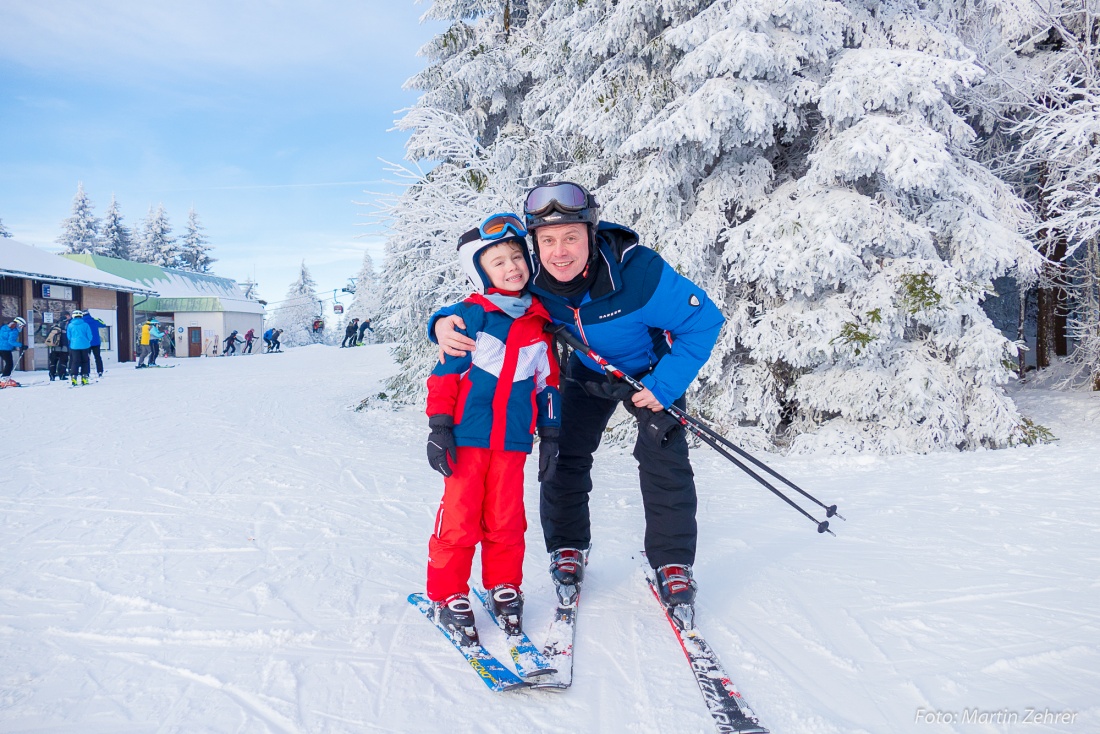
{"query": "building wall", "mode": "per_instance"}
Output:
(212, 324)
(95, 298)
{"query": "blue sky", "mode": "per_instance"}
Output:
(268, 116)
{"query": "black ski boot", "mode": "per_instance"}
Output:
(507, 604)
(457, 616)
(567, 571)
(676, 588)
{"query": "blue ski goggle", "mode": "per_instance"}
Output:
(496, 227)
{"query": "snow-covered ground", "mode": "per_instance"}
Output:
(227, 547)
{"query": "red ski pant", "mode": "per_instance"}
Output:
(482, 503)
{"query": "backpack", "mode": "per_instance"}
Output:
(54, 337)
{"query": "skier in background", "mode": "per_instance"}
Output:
(349, 334)
(364, 327)
(276, 345)
(155, 335)
(483, 409)
(80, 344)
(249, 337)
(231, 343)
(10, 341)
(57, 345)
(94, 325)
(144, 349)
(633, 309)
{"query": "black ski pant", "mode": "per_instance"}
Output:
(98, 359)
(247, 348)
(667, 481)
(79, 363)
(231, 349)
(7, 363)
(349, 340)
(59, 363)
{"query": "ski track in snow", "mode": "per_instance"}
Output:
(228, 548)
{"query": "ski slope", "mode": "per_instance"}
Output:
(227, 547)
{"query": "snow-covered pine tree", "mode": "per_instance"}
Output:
(297, 311)
(80, 232)
(195, 249)
(4, 230)
(366, 303)
(115, 239)
(158, 246)
(862, 281)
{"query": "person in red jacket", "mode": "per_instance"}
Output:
(483, 410)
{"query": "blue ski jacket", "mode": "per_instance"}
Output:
(80, 334)
(10, 339)
(640, 315)
(506, 388)
(94, 324)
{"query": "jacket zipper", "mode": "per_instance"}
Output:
(577, 321)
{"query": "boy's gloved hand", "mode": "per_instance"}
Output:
(548, 453)
(441, 444)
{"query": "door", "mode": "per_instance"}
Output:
(194, 341)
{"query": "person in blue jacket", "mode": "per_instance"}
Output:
(80, 344)
(97, 341)
(155, 335)
(10, 342)
(633, 309)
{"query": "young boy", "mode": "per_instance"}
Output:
(483, 410)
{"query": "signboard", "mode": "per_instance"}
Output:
(47, 317)
(57, 292)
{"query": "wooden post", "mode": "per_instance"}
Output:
(28, 330)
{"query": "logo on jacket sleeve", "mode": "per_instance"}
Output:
(694, 300)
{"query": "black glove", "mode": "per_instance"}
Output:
(441, 443)
(608, 390)
(655, 429)
(548, 453)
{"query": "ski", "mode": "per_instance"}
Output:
(558, 648)
(492, 672)
(729, 710)
(529, 662)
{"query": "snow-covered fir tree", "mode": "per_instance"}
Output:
(157, 245)
(195, 249)
(4, 230)
(802, 161)
(115, 237)
(296, 312)
(80, 232)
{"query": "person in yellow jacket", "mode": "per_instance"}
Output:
(144, 350)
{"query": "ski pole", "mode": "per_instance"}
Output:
(696, 428)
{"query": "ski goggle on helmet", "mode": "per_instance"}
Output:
(559, 202)
(496, 229)
(19, 321)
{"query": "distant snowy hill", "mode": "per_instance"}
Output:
(227, 547)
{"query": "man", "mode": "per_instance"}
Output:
(349, 334)
(57, 345)
(80, 347)
(144, 348)
(363, 328)
(633, 309)
(10, 341)
(97, 341)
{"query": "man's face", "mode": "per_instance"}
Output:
(563, 250)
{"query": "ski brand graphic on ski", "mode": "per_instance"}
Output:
(727, 707)
(494, 673)
(529, 662)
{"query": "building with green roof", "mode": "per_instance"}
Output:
(199, 310)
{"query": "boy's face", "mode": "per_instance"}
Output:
(506, 267)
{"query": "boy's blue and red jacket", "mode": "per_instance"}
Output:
(640, 315)
(500, 392)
